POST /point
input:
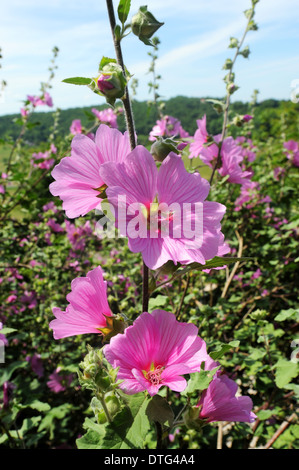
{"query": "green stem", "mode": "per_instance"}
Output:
(119, 59)
(225, 118)
(130, 127)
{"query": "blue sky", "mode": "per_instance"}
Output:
(193, 48)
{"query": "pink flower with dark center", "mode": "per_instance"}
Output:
(219, 402)
(78, 182)
(156, 351)
(200, 138)
(137, 185)
(87, 310)
(76, 127)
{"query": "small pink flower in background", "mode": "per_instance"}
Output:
(24, 112)
(2, 189)
(231, 159)
(59, 382)
(200, 138)
(76, 127)
(106, 116)
(247, 117)
(50, 206)
(4, 176)
(46, 162)
(256, 274)
(88, 307)
(28, 299)
(265, 293)
(45, 99)
(36, 364)
(53, 149)
(8, 388)
(219, 402)
(77, 177)
(138, 181)
(278, 172)
(54, 226)
(2, 336)
(155, 351)
(78, 235)
(292, 153)
(166, 127)
(11, 298)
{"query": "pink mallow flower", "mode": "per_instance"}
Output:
(106, 116)
(36, 364)
(292, 153)
(87, 310)
(200, 138)
(59, 382)
(76, 127)
(137, 185)
(45, 99)
(78, 181)
(155, 351)
(166, 127)
(219, 402)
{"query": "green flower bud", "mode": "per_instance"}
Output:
(144, 25)
(191, 418)
(162, 147)
(110, 82)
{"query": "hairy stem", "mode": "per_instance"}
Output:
(119, 59)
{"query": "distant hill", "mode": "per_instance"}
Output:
(268, 116)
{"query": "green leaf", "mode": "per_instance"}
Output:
(128, 429)
(223, 348)
(159, 301)
(199, 381)
(264, 414)
(285, 372)
(7, 373)
(77, 80)
(106, 61)
(290, 314)
(6, 331)
(37, 405)
(216, 262)
(159, 410)
(123, 10)
(117, 32)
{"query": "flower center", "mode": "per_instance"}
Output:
(154, 374)
(157, 217)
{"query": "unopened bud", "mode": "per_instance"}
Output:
(162, 147)
(144, 25)
(110, 82)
